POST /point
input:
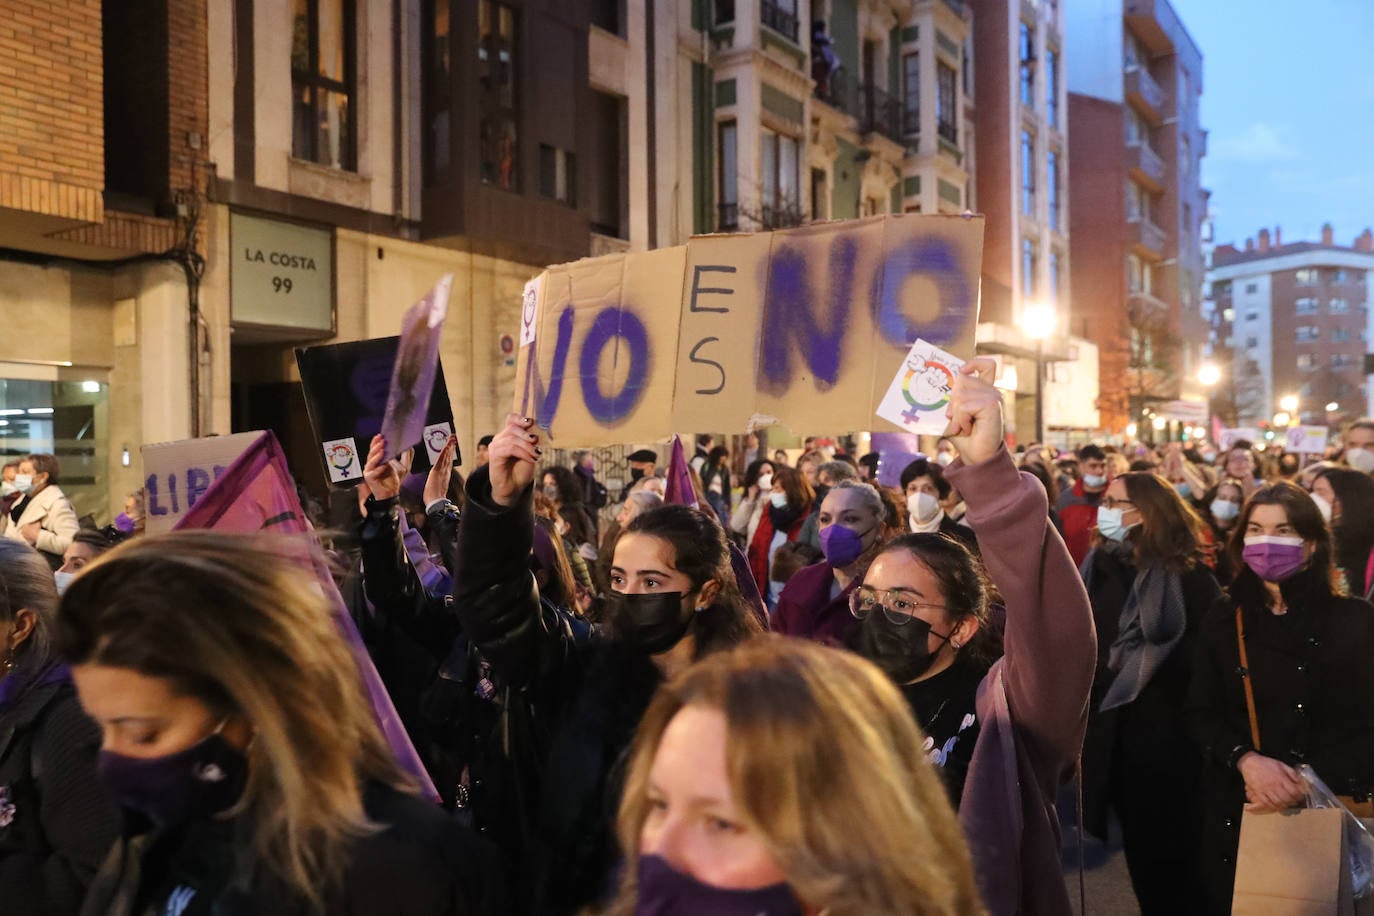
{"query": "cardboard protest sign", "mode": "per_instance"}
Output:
(347, 387)
(800, 326)
(1307, 440)
(177, 474)
(921, 389)
(412, 378)
(1230, 437)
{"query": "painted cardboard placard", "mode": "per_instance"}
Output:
(412, 377)
(801, 325)
(1307, 440)
(177, 474)
(920, 391)
(1230, 437)
(346, 388)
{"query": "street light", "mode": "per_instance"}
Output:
(1282, 418)
(1208, 375)
(1289, 402)
(1037, 322)
(1332, 407)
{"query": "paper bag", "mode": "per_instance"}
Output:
(1292, 864)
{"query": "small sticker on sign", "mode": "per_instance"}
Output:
(435, 438)
(341, 457)
(529, 310)
(921, 389)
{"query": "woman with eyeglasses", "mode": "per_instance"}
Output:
(923, 617)
(1150, 588)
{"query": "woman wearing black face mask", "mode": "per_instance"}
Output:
(574, 707)
(922, 612)
(239, 739)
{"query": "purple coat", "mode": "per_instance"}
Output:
(1033, 703)
(806, 609)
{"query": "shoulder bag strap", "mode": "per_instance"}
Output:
(1246, 681)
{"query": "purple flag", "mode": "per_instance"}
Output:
(412, 378)
(256, 494)
(678, 487)
(895, 452)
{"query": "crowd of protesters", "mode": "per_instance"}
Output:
(813, 686)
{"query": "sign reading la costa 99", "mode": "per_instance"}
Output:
(281, 274)
(800, 326)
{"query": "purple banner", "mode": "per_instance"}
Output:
(895, 452)
(678, 486)
(412, 378)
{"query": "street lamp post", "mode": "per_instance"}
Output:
(1207, 377)
(1037, 322)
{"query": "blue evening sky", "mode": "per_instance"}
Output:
(1288, 98)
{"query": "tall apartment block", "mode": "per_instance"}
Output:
(1293, 320)
(1134, 79)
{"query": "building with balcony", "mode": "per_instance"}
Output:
(1134, 80)
(1293, 319)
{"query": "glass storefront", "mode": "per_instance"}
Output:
(63, 411)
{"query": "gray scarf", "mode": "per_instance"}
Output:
(1151, 625)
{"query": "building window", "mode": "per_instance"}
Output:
(1252, 287)
(1339, 306)
(1027, 64)
(1340, 335)
(1027, 268)
(1187, 288)
(872, 206)
(557, 175)
(781, 17)
(966, 63)
(1341, 360)
(1134, 56)
(778, 166)
(947, 102)
(1308, 276)
(1251, 343)
(1135, 274)
(1185, 159)
(1052, 87)
(438, 92)
(818, 195)
(1252, 316)
(1054, 276)
(1337, 276)
(728, 141)
(1052, 187)
(1307, 361)
(911, 94)
(1027, 173)
(322, 82)
(1137, 203)
(496, 69)
(1308, 333)
(1307, 306)
(1137, 134)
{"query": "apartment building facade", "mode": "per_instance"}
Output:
(1134, 79)
(1292, 320)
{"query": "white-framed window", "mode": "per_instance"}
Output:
(781, 186)
(1308, 276)
(1306, 306)
(1340, 335)
(1027, 267)
(1338, 306)
(1307, 361)
(1027, 173)
(1307, 333)
(1252, 287)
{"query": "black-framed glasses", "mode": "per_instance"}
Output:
(897, 606)
(1123, 504)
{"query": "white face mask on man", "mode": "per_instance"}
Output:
(1360, 459)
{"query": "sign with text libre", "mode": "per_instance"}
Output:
(800, 326)
(281, 274)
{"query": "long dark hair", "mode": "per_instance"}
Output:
(569, 490)
(701, 552)
(964, 582)
(1303, 515)
(1170, 531)
(1354, 530)
(800, 496)
(751, 473)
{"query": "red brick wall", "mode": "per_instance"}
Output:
(51, 107)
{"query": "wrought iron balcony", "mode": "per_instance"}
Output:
(727, 217)
(880, 113)
(780, 20)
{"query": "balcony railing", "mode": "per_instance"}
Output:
(956, 5)
(880, 114)
(911, 120)
(837, 91)
(780, 20)
(948, 130)
(1142, 89)
(727, 217)
(1147, 164)
(1148, 236)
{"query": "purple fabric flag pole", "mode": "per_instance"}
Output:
(256, 494)
(678, 490)
(417, 360)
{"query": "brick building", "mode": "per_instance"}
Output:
(1293, 320)
(1137, 205)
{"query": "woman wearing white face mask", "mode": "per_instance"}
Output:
(923, 482)
(758, 483)
(1345, 499)
(1222, 509)
(1149, 589)
(782, 520)
(1359, 446)
(43, 517)
(1302, 692)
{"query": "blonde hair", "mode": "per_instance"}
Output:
(826, 766)
(239, 623)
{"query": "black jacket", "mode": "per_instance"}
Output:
(56, 823)
(571, 708)
(1314, 697)
(422, 863)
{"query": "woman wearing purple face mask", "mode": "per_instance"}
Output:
(1307, 648)
(815, 602)
(781, 778)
